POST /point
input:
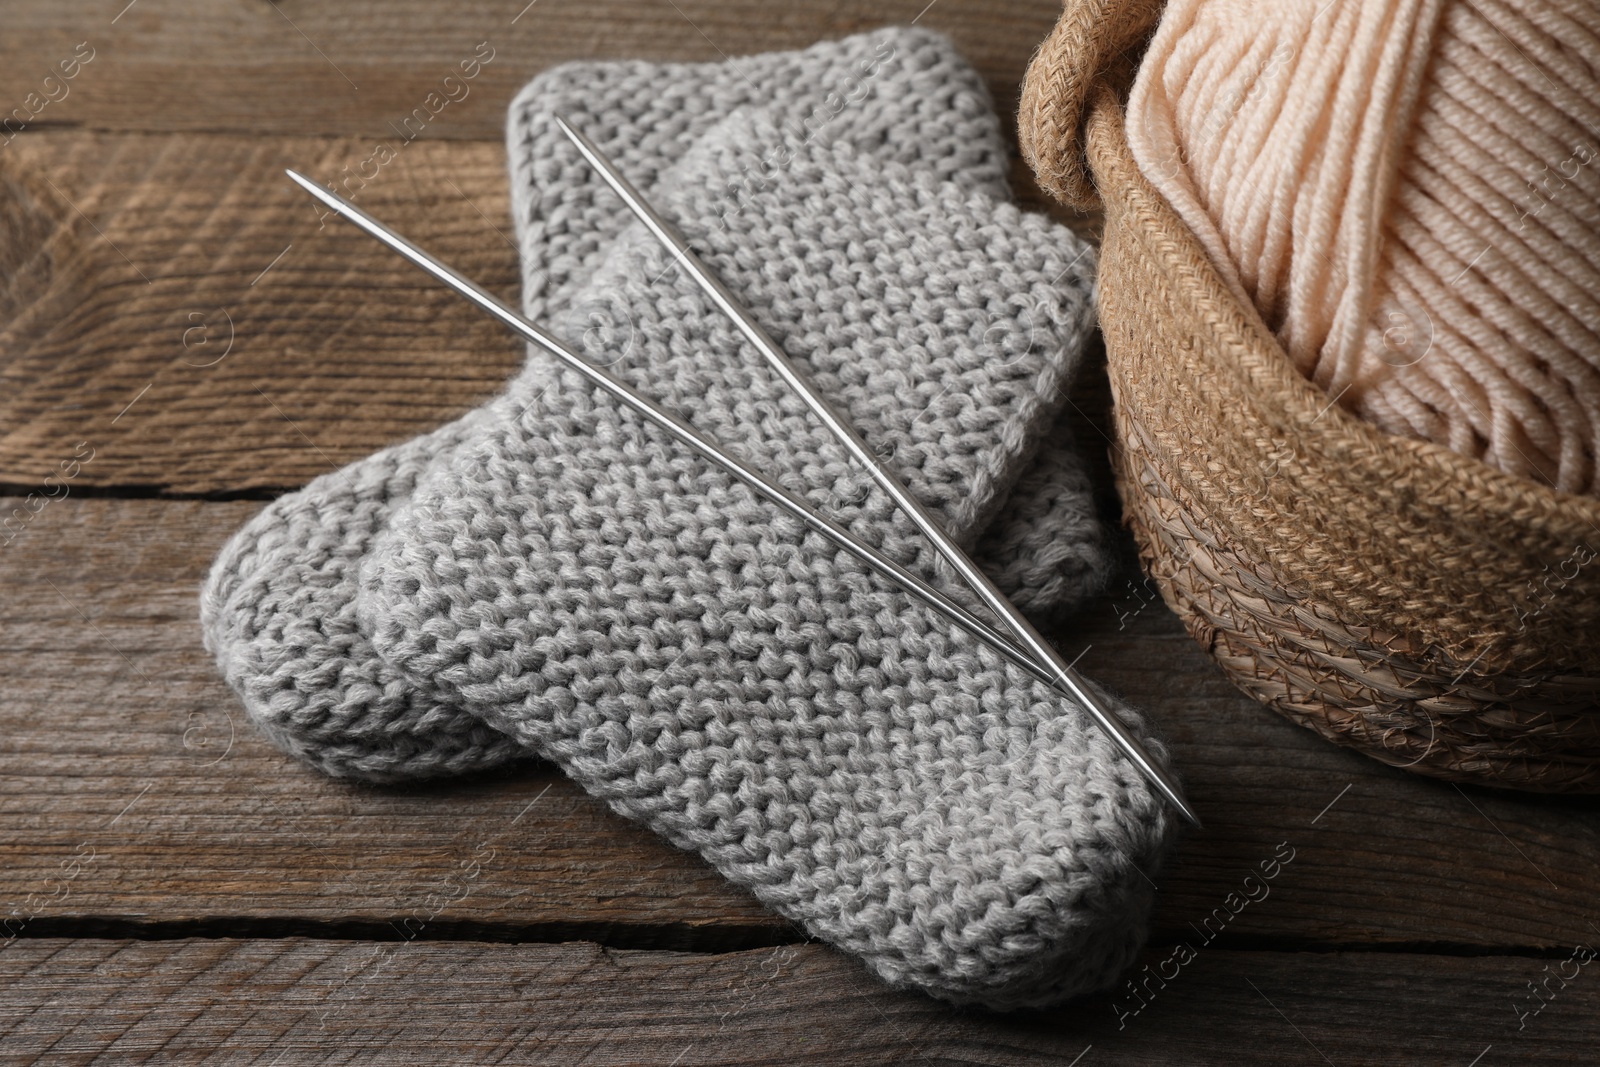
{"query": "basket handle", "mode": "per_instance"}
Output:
(1095, 43)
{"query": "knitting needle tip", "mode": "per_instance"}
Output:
(1188, 814)
(308, 185)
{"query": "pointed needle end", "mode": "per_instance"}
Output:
(1169, 788)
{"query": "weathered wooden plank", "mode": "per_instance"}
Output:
(295, 67)
(296, 1001)
(132, 789)
(176, 303)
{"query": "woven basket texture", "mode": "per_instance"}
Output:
(1389, 594)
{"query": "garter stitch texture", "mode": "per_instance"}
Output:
(278, 610)
(903, 95)
(580, 582)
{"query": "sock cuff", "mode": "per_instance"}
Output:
(903, 94)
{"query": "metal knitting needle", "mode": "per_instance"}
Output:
(710, 450)
(1062, 673)
(679, 429)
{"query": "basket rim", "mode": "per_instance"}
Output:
(1264, 365)
(1462, 494)
(1100, 142)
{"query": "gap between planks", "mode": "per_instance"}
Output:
(130, 767)
(290, 1002)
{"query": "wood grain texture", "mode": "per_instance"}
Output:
(176, 320)
(178, 304)
(133, 791)
(293, 1001)
(299, 67)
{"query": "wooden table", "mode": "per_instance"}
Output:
(176, 890)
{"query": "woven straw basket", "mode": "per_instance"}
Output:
(1387, 593)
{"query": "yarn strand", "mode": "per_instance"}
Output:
(1409, 193)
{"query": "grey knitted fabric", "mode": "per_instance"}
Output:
(582, 583)
(278, 610)
(904, 95)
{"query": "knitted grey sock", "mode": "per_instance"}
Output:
(683, 649)
(278, 607)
